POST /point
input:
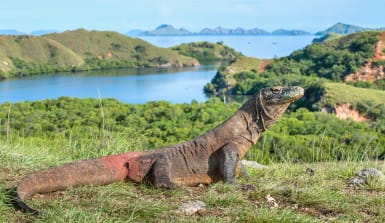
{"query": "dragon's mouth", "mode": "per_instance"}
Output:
(296, 93)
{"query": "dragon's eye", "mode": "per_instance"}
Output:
(276, 90)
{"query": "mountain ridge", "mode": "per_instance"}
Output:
(170, 30)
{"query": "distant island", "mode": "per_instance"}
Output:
(169, 30)
(345, 29)
(39, 32)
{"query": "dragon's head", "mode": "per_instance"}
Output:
(273, 101)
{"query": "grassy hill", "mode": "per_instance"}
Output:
(341, 28)
(339, 93)
(34, 50)
(227, 77)
(205, 51)
(81, 50)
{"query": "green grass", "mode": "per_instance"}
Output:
(339, 93)
(364, 99)
(243, 64)
(300, 197)
(91, 44)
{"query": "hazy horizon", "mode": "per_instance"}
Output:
(123, 16)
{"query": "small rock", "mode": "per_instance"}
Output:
(247, 187)
(356, 182)
(201, 186)
(192, 207)
(271, 201)
(363, 176)
(309, 171)
(370, 172)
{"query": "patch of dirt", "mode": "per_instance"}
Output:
(262, 65)
(379, 50)
(322, 214)
(370, 71)
(374, 193)
(345, 111)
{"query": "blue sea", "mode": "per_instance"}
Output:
(143, 85)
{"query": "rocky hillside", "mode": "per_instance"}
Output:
(81, 50)
(373, 69)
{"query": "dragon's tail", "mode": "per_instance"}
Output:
(98, 171)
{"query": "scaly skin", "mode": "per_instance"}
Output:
(208, 158)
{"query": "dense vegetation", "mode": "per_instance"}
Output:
(299, 136)
(81, 50)
(85, 120)
(330, 60)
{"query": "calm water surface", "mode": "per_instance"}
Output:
(128, 85)
(265, 47)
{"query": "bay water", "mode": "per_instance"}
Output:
(263, 47)
(143, 85)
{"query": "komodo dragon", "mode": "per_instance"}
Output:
(208, 158)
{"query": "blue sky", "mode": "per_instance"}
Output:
(125, 15)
